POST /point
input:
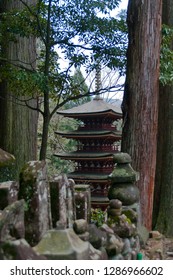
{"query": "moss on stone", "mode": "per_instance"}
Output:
(123, 173)
(131, 215)
(127, 193)
(122, 158)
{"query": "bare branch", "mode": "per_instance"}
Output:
(66, 42)
(28, 7)
(100, 91)
(21, 66)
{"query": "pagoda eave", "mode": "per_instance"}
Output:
(89, 134)
(89, 177)
(110, 113)
(95, 107)
(85, 156)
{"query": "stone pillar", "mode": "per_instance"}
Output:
(123, 180)
(12, 221)
(8, 193)
(83, 202)
(123, 210)
(65, 202)
(34, 189)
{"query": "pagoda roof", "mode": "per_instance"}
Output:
(85, 156)
(96, 106)
(90, 134)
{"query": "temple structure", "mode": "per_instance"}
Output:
(97, 140)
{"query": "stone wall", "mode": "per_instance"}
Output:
(71, 235)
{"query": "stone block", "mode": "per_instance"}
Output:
(63, 245)
(6, 158)
(114, 245)
(12, 221)
(127, 193)
(97, 237)
(115, 204)
(123, 173)
(95, 254)
(8, 193)
(155, 234)
(18, 250)
(122, 158)
(80, 226)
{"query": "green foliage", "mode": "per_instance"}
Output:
(56, 143)
(83, 31)
(70, 34)
(114, 221)
(7, 173)
(166, 71)
(22, 81)
(81, 87)
(98, 216)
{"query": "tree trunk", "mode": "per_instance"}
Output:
(163, 197)
(140, 102)
(18, 132)
(44, 139)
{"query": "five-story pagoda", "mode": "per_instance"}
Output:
(97, 140)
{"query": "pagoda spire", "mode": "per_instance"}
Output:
(98, 83)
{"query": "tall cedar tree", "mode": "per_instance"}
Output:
(140, 102)
(18, 124)
(163, 198)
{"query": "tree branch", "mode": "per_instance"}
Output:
(19, 65)
(36, 16)
(100, 91)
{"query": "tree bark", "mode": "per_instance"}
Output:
(140, 102)
(18, 130)
(163, 196)
(44, 139)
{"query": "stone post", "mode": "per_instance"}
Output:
(83, 202)
(8, 193)
(12, 221)
(123, 210)
(123, 180)
(66, 202)
(34, 189)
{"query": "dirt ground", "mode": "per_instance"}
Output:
(158, 248)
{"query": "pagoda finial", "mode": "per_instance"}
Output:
(98, 83)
